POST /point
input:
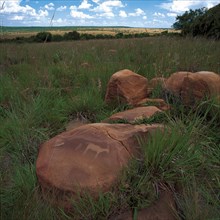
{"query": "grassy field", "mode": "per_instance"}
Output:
(44, 86)
(12, 32)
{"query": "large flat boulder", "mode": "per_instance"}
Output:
(127, 87)
(192, 87)
(134, 114)
(89, 157)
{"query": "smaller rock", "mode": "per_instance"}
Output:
(126, 87)
(135, 114)
(159, 103)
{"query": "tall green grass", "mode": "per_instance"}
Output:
(44, 86)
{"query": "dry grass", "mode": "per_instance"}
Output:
(93, 31)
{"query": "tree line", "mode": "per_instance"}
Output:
(72, 35)
(45, 36)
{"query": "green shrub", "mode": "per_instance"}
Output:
(43, 37)
(119, 35)
(87, 36)
(57, 37)
(73, 35)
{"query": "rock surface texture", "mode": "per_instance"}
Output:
(89, 157)
(192, 87)
(126, 86)
(134, 114)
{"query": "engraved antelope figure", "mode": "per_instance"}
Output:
(95, 148)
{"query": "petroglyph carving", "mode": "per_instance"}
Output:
(95, 148)
(59, 143)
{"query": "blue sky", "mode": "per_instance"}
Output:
(133, 13)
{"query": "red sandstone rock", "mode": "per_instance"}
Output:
(159, 103)
(89, 157)
(192, 87)
(135, 114)
(127, 87)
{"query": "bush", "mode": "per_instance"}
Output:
(119, 35)
(57, 37)
(87, 36)
(43, 37)
(73, 35)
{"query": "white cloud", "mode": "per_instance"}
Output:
(84, 5)
(138, 12)
(95, 1)
(107, 15)
(49, 6)
(171, 14)
(108, 6)
(43, 13)
(62, 8)
(17, 18)
(60, 21)
(78, 14)
(9, 7)
(158, 14)
(15, 9)
(211, 3)
(73, 7)
(123, 14)
(179, 6)
(145, 17)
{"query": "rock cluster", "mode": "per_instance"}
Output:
(90, 157)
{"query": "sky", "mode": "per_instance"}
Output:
(132, 13)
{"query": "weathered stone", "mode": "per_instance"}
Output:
(135, 114)
(126, 86)
(163, 209)
(89, 157)
(192, 87)
(159, 103)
